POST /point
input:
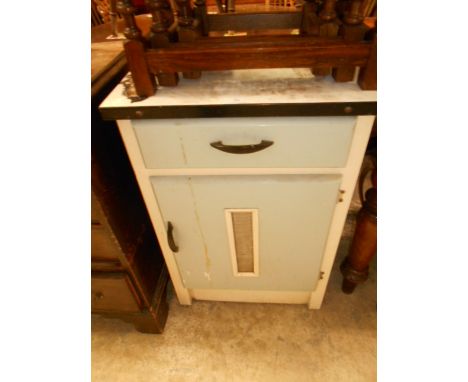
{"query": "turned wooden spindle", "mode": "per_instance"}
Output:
(184, 13)
(328, 12)
(127, 10)
(230, 6)
(144, 81)
(188, 29)
(368, 7)
(329, 27)
(161, 14)
(355, 267)
(113, 17)
(220, 6)
(202, 16)
(341, 6)
(163, 18)
(310, 24)
(367, 79)
(352, 30)
(354, 15)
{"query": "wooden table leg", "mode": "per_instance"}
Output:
(355, 267)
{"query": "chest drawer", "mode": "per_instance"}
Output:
(266, 142)
(113, 292)
(103, 245)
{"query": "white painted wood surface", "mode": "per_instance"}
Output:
(270, 297)
(252, 86)
(297, 141)
(351, 172)
(294, 213)
(241, 171)
(134, 153)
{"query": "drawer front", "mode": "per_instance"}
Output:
(113, 292)
(249, 233)
(103, 244)
(297, 142)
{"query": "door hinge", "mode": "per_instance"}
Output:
(340, 196)
(321, 275)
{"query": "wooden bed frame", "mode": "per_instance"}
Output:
(331, 37)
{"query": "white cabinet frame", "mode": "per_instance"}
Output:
(313, 298)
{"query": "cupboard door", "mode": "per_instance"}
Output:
(248, 232)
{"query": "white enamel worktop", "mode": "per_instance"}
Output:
(253, 86)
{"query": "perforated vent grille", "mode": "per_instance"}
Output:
(242, 226)
(243, 240)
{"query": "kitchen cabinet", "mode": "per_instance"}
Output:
(248, 188)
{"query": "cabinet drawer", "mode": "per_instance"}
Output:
(297, 142)
(113, 292)
(103, 245)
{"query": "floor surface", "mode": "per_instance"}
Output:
(217, 341)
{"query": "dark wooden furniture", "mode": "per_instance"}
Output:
(333, 37)
(355, 267)
(128, 274)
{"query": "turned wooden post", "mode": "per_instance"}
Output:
(113, 17)
(355, 267)
(310, 24)
(329, 27)
(188, 30)
(201, 15)
(328, 12)
(352, 30)
(230, 6)
(160, 37)
(368, 75)
(220, 6)
(144, 81)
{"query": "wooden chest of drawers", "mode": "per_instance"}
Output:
(128, 273)
(128, 277)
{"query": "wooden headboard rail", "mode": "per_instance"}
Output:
(331, 38)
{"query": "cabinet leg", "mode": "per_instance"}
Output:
(167, 79)
(355, 267)
(152, 322)
(145, 322)
(145, 83)
(148, 321)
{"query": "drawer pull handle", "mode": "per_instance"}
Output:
(241, 149)
(170, 239)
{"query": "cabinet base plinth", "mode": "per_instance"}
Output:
(144, 322)
(278, 297)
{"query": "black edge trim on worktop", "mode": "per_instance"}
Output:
(240, 110)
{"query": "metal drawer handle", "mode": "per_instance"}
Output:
(170, 239)
(241, 149)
